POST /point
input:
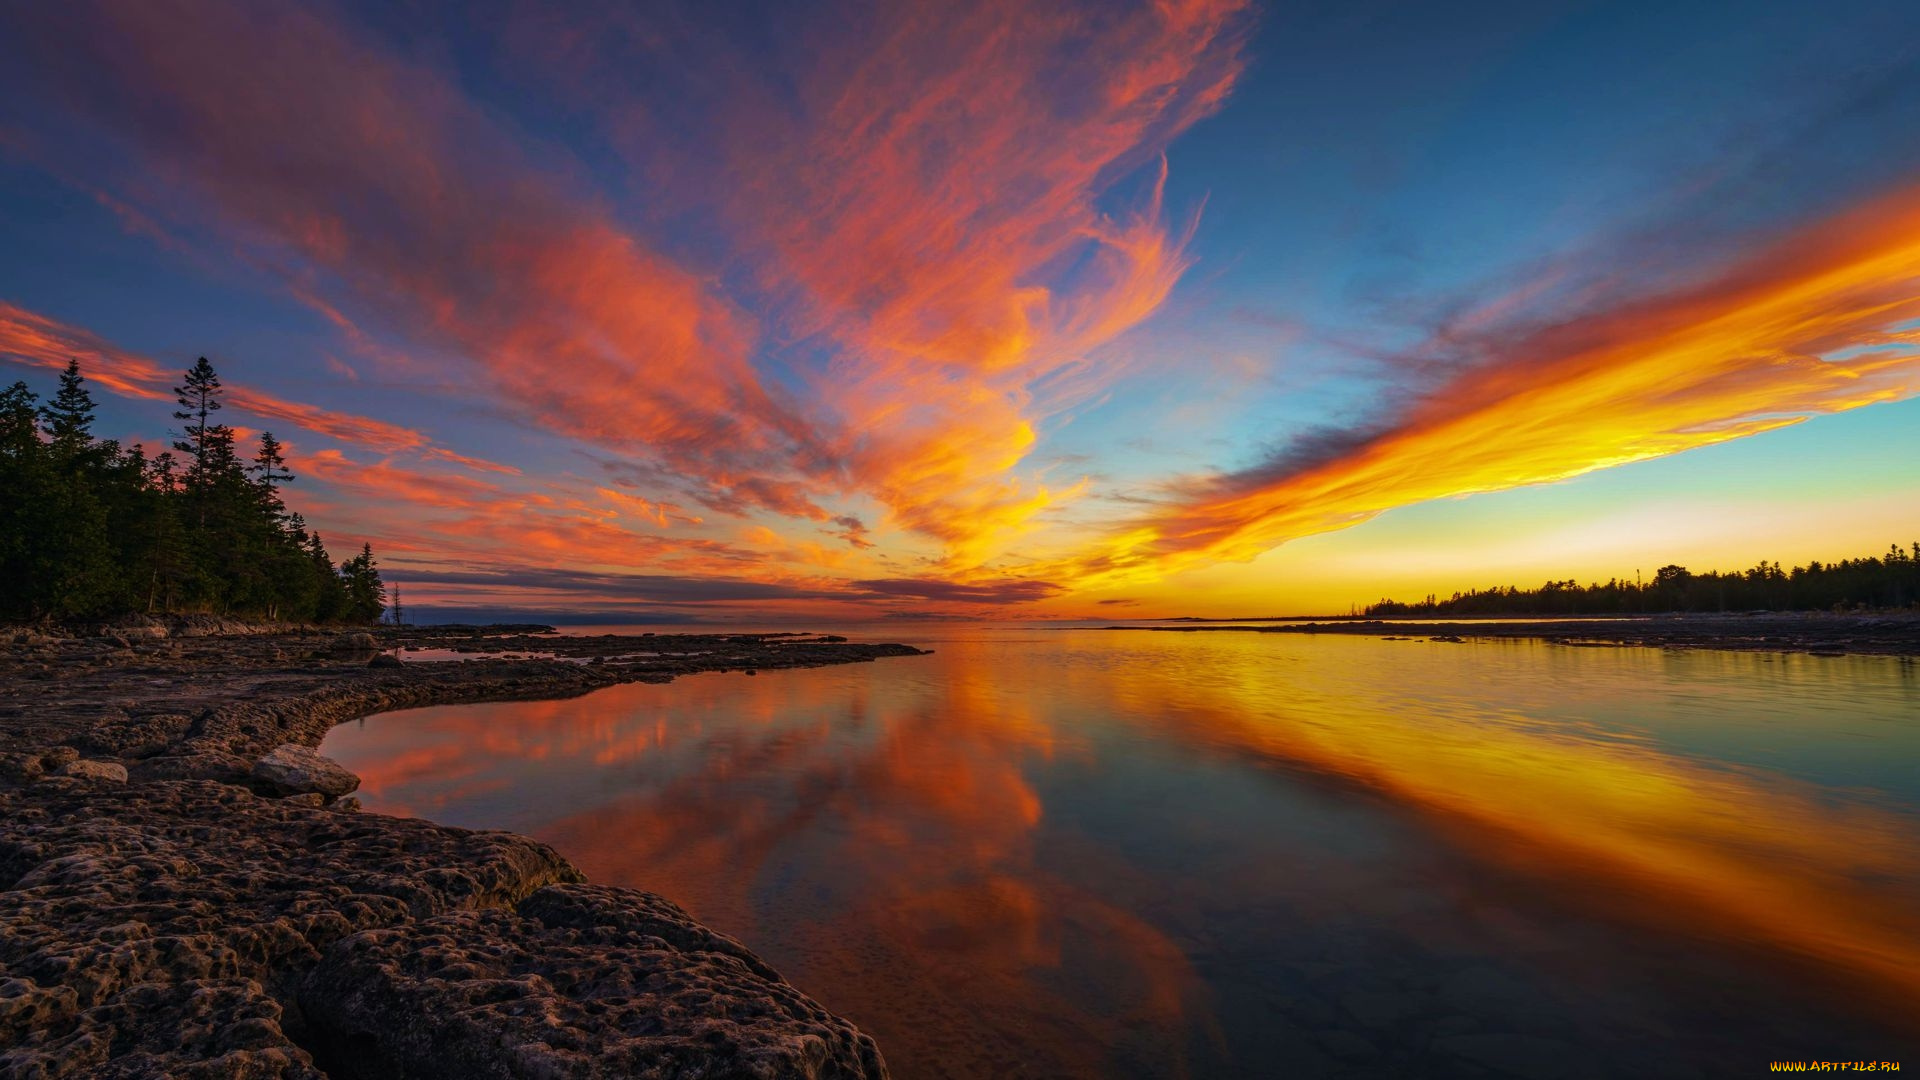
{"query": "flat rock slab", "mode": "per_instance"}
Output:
(291, 769)
(95, 770)
(173, 923)
(577, 981)
(126, 907)
(195, 929)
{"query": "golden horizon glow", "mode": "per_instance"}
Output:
(1747, 354)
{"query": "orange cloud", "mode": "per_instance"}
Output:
(939, 220)
(32, 338)
(1812, 325)
(662, 514)
(452, 517)
(403, 199)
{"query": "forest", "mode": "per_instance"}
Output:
(1891, 580)
(92, 530)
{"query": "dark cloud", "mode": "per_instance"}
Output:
(620, 588)
(852, 530)
(1011, 591)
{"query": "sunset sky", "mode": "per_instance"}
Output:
(994, 309)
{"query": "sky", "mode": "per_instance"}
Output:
(994, 309)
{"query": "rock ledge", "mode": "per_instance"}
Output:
(162, 915)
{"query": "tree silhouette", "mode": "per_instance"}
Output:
(90, 530)
(1888, 581)
(69, 417)
(199, 397)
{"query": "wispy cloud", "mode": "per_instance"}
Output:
(1820, 322)
(401, 199)
(936, 214)
(31, 338)
(936, 218)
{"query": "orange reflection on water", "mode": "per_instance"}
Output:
(1725, 852)
(926, 844)
(928, 819)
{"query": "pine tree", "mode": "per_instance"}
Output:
(269, 469)
(87, 529)
(69, 416)
(330, 588)
(24, 503)
(199, 396)
(366, 594)
(168, 562)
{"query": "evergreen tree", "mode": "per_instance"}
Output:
(90, 530)
(1889, 581)
(165, 559)
(269, 471)
(69, 417)
(330, 587)
(199, 398)
(24, 491)
(366, 594)
(73, 565)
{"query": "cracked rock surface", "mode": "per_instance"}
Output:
(185, 922)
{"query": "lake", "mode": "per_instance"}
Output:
(1044, 853)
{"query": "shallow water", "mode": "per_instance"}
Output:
(1096, 853)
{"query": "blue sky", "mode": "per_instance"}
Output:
(1010, 307)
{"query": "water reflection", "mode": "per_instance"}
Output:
(1168, 855)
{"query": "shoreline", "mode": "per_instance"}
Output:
(178, 907)
(1816, 634)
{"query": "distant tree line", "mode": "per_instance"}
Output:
(1888, 581)
(89, 529)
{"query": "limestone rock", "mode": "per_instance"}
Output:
(291, 769)
(147, 928)
(21, 768)
(166, 926)
(212, 765)
(95, 770)
(580, 981)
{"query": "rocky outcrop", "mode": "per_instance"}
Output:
(181, 923)
(95, 770)
(291, 769)
(576, 981)
(156, 930)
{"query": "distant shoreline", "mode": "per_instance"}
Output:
(1819, 634)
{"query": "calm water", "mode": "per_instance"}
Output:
(1087, 853)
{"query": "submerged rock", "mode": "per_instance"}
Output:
(290, 769)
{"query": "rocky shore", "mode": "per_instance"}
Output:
(1893, 634)
(188, 890)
